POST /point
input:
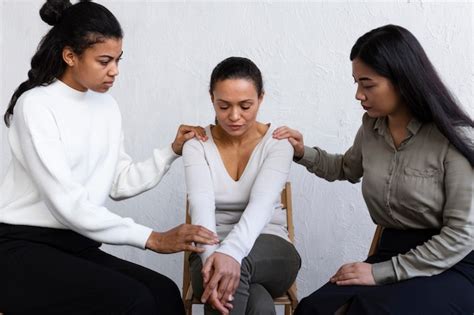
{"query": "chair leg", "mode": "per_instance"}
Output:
(288, 310)
(189, 309)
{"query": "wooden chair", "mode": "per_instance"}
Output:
(289, 300)
(375, 240)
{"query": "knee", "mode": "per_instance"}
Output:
(306, 307)
(135, 299)
(167, 295)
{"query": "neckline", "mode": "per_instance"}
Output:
(216, 149)
(68, 91)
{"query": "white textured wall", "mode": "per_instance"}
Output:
(302, 49)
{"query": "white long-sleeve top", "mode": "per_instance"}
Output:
(239, 211)
(67, 157)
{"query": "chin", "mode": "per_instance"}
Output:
(100, 89)
(374, 114)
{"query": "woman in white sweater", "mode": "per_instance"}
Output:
(67, 157)
(234, 181)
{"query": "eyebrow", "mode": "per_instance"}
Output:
(363, 79)
(111, 57)
(227, 102)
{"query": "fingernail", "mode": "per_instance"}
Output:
(231, 298)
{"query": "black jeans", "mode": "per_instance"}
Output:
(52, 271)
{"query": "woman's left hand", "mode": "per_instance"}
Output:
(222, 273)
(359, 273)
(185, 133)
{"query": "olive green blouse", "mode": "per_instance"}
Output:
(424, 184)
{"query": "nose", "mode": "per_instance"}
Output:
(234, 114)
(360, 96)
(113, 71)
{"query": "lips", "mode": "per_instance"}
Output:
(365, 107)
(235, 127)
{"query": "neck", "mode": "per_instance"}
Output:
(67, 79)
(399, 119)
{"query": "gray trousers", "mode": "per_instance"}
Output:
(267, 272)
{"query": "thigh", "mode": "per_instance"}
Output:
(447, 293)
(269, 256)
(164, 291)
(328, 299)
(45, 280)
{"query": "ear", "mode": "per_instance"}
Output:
(260, 98)
(69, 57)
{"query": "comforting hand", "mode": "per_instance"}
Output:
(293, 136)
(220, 273)
(182, 237)
(358, 273)
(184, 134)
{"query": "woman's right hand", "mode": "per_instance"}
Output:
(181, 238)
(293, 136)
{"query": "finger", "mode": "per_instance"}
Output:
(231, 288)
(193, 248)
(188, 135)
(345, 276)
(293, 141)
(211, 286)
(285, 133)
(222, 289)
(200, 230)
(349, 282)
(206, 269)
(280, 129)
(201, 240)
(201, 235)
(218, 305)
(200, 132)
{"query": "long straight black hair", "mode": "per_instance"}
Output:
(395, 53)
(76, 26)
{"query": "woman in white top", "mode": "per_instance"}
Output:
(234, 181)
(67, 157)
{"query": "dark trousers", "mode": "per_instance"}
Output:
(451, 292)
(51, 271)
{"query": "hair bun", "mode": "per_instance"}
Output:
(52, 11)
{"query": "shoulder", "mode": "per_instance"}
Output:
(273, 144)
(467, 134)
(33, 103)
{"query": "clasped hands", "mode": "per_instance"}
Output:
(221, 277)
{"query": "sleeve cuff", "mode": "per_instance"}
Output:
(310, 157)
(210, 249)
(384, 272)
(139, 235)
(167, 154)
(232, 253)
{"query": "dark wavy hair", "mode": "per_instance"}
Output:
(237, 68)
(394, 53)
(76, 26)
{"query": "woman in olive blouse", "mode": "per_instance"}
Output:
(415, 154)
